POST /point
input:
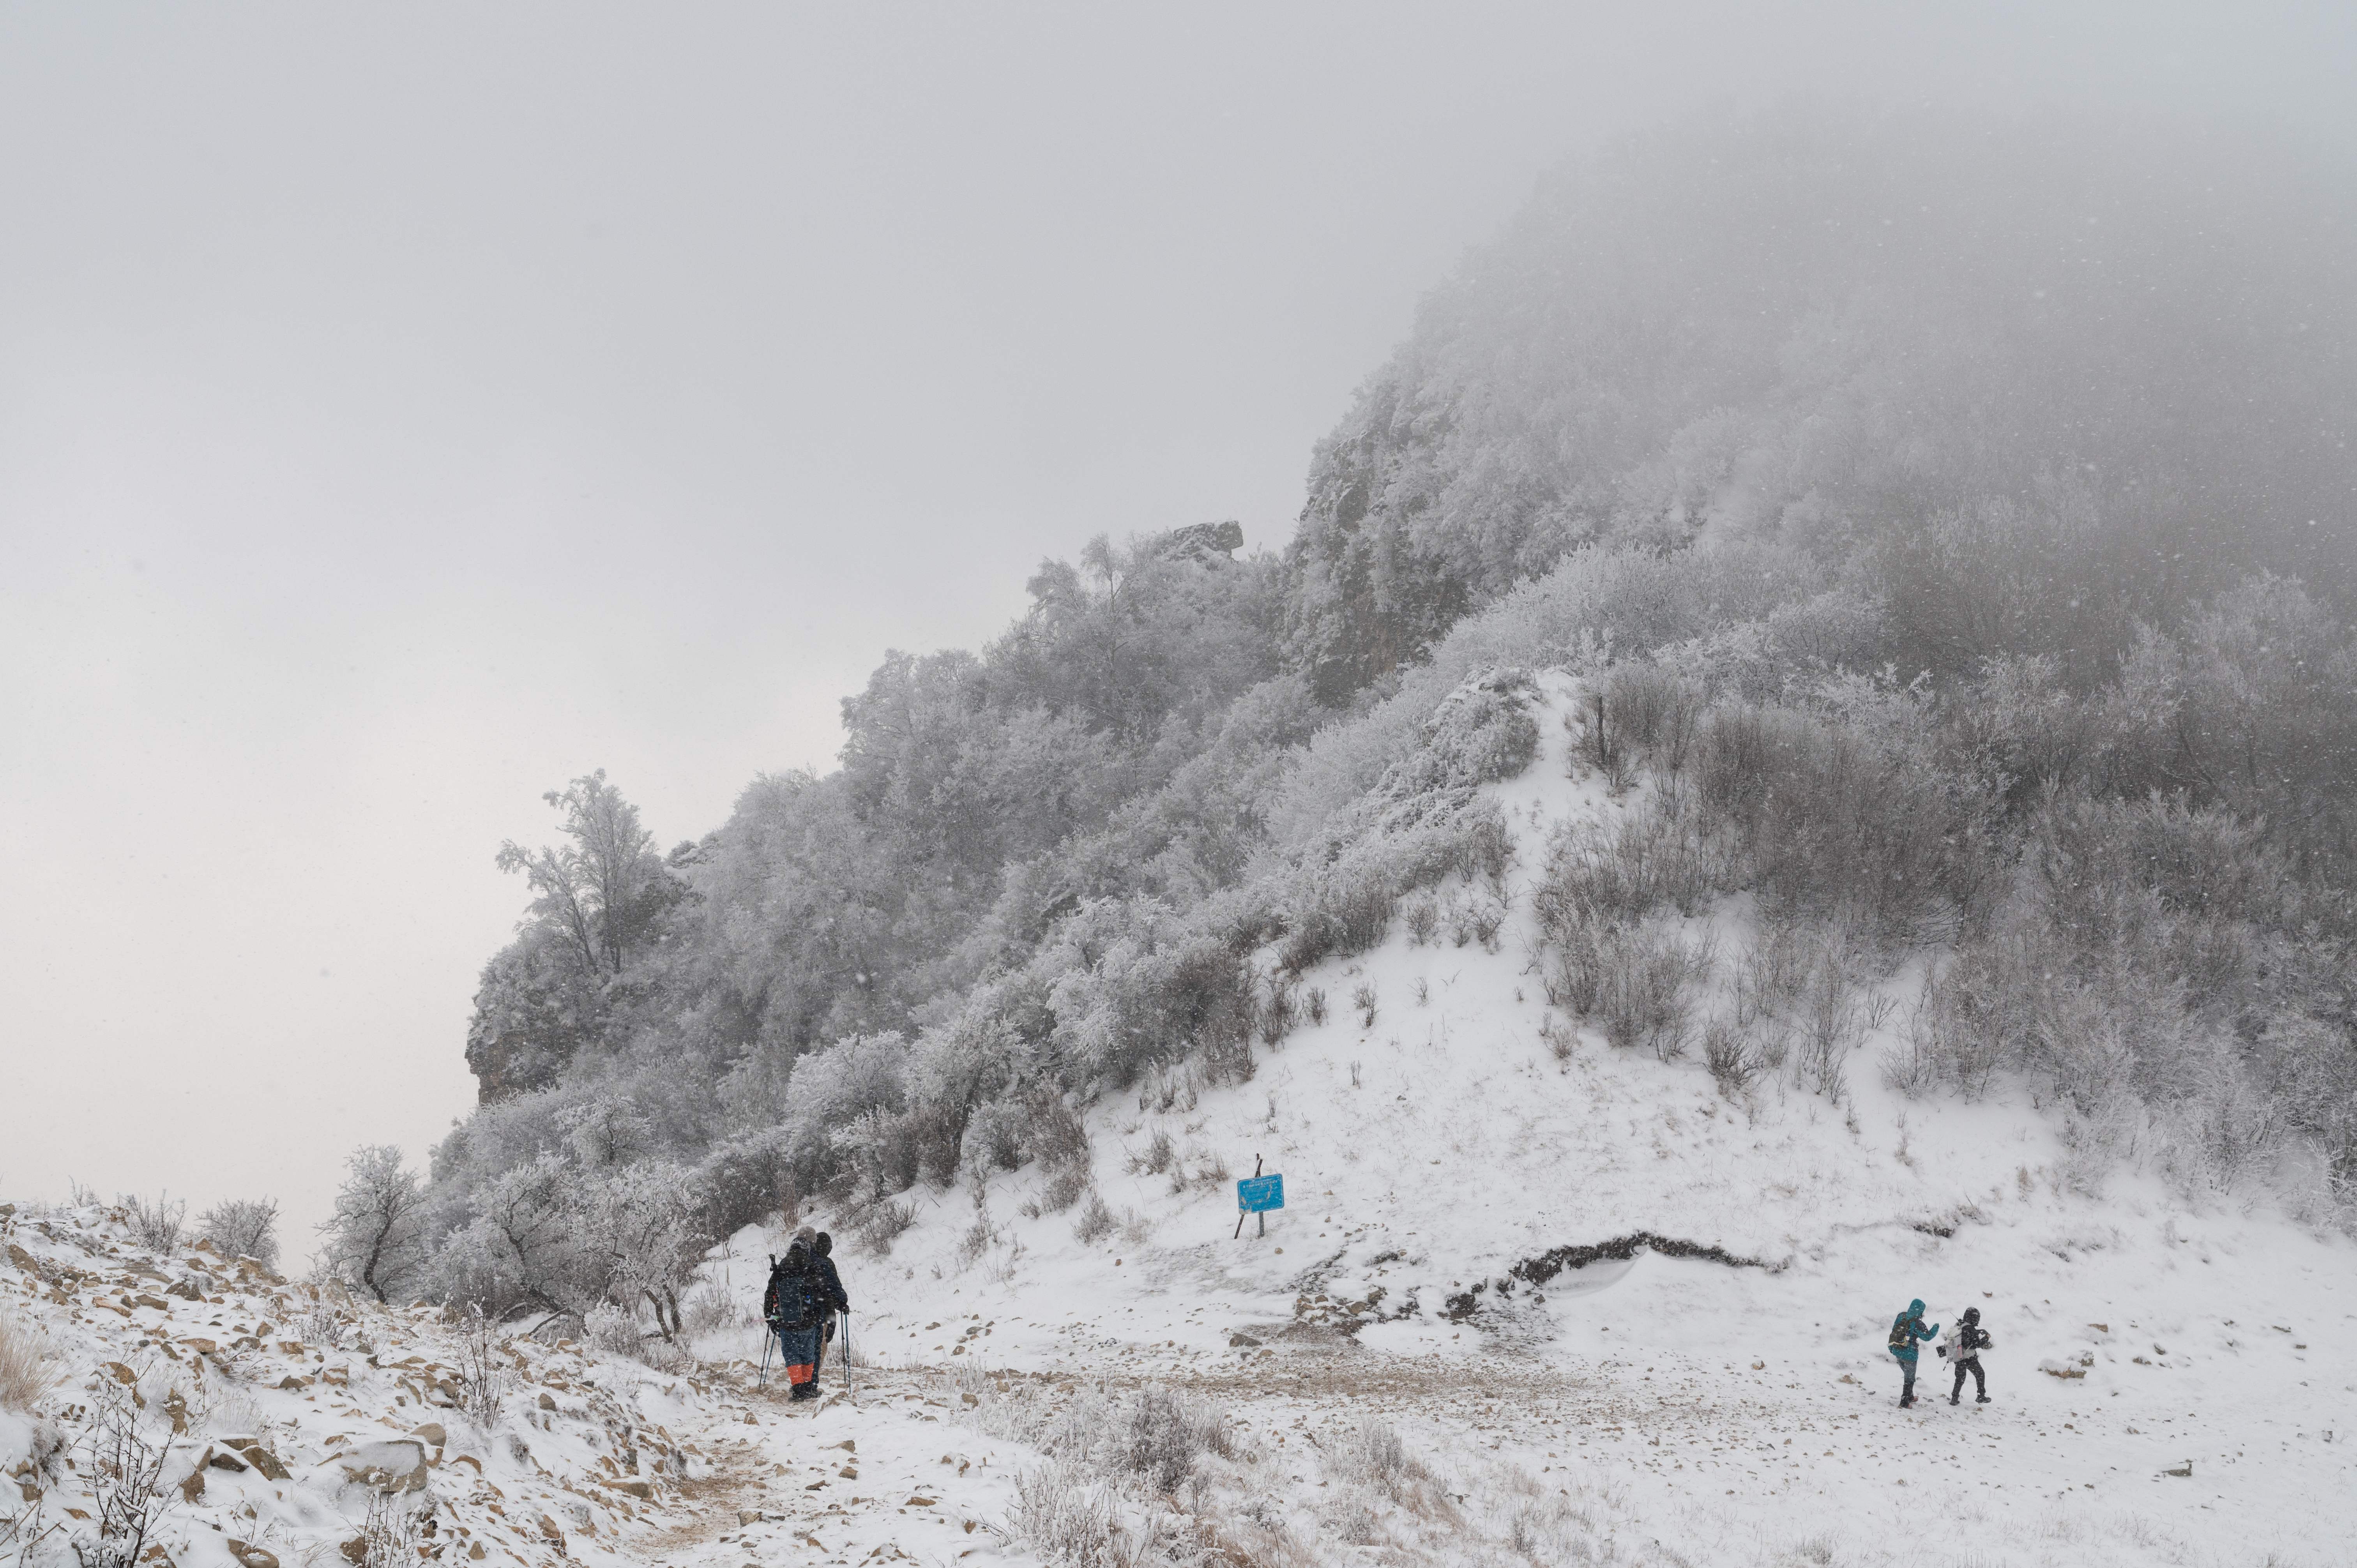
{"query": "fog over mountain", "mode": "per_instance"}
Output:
(2014, 457)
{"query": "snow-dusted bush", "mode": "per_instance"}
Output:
(1096, 1221)
(154, 1223)
(744, 1179)
(1643, 984)
(243, 1228)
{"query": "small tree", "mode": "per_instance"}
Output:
(643, 1220)
(600, 890)
(243, 1228)
(378, 1239)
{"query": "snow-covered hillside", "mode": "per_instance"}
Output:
(1436, 1154)
(1532, 1299)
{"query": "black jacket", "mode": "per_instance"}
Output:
(831, 1286)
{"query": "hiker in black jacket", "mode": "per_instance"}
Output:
(1963, 1346)
(796, 1307)
(830, 1285)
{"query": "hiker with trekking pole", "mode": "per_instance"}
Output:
(834, 1302)
(795, 1306)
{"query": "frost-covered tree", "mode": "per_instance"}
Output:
(379, 1238)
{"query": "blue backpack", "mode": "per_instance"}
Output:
(796, 1298)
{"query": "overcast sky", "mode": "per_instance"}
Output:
(404, 409)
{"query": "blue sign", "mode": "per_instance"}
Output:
(1257, 1195)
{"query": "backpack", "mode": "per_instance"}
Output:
(1902, 1333)
(795, 1297)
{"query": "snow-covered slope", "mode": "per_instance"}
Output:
(1435, 1157)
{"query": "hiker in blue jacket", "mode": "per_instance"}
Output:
(1907, 1331)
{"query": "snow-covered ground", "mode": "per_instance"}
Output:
(2173, 1382)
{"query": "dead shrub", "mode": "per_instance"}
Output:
(882, 1223)
(1275, 1015)
(1064, 1189)
(1641, 991)
(1156, 1157)
(1599, 740)
(1658, 711)
(1732, 1062)
(1423, 921)
(155, 1226)
(1096, 1221)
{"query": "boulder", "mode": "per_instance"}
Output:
(394, 1466)
(431, 1433)
(1206, 540)
(251, 1556)
(260, 1459)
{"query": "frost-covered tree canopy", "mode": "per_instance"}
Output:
(1980, 495)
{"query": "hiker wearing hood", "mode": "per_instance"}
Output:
(794, 1305)
(1906, 1331)
(1963, 1345)
(830, 1286)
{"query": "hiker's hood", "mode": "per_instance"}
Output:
(1915, 1309)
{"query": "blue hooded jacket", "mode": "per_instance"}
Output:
(1907, 1329)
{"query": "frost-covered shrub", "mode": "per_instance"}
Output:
(1153, 1432)
(1053, 1132)
(1845, 823)
(243, 1228)
(993, 1135)
(745, 1179)
(1481, 732)
(1341, 900)
(1137, 983)
(611, 1330)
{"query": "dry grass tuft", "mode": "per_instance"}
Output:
(26, 1372)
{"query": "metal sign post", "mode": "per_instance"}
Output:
(1258, 1194)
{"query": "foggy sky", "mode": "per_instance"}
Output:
(404, 412)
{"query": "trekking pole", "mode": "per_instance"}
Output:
(765, 1338)
(848, 1391)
